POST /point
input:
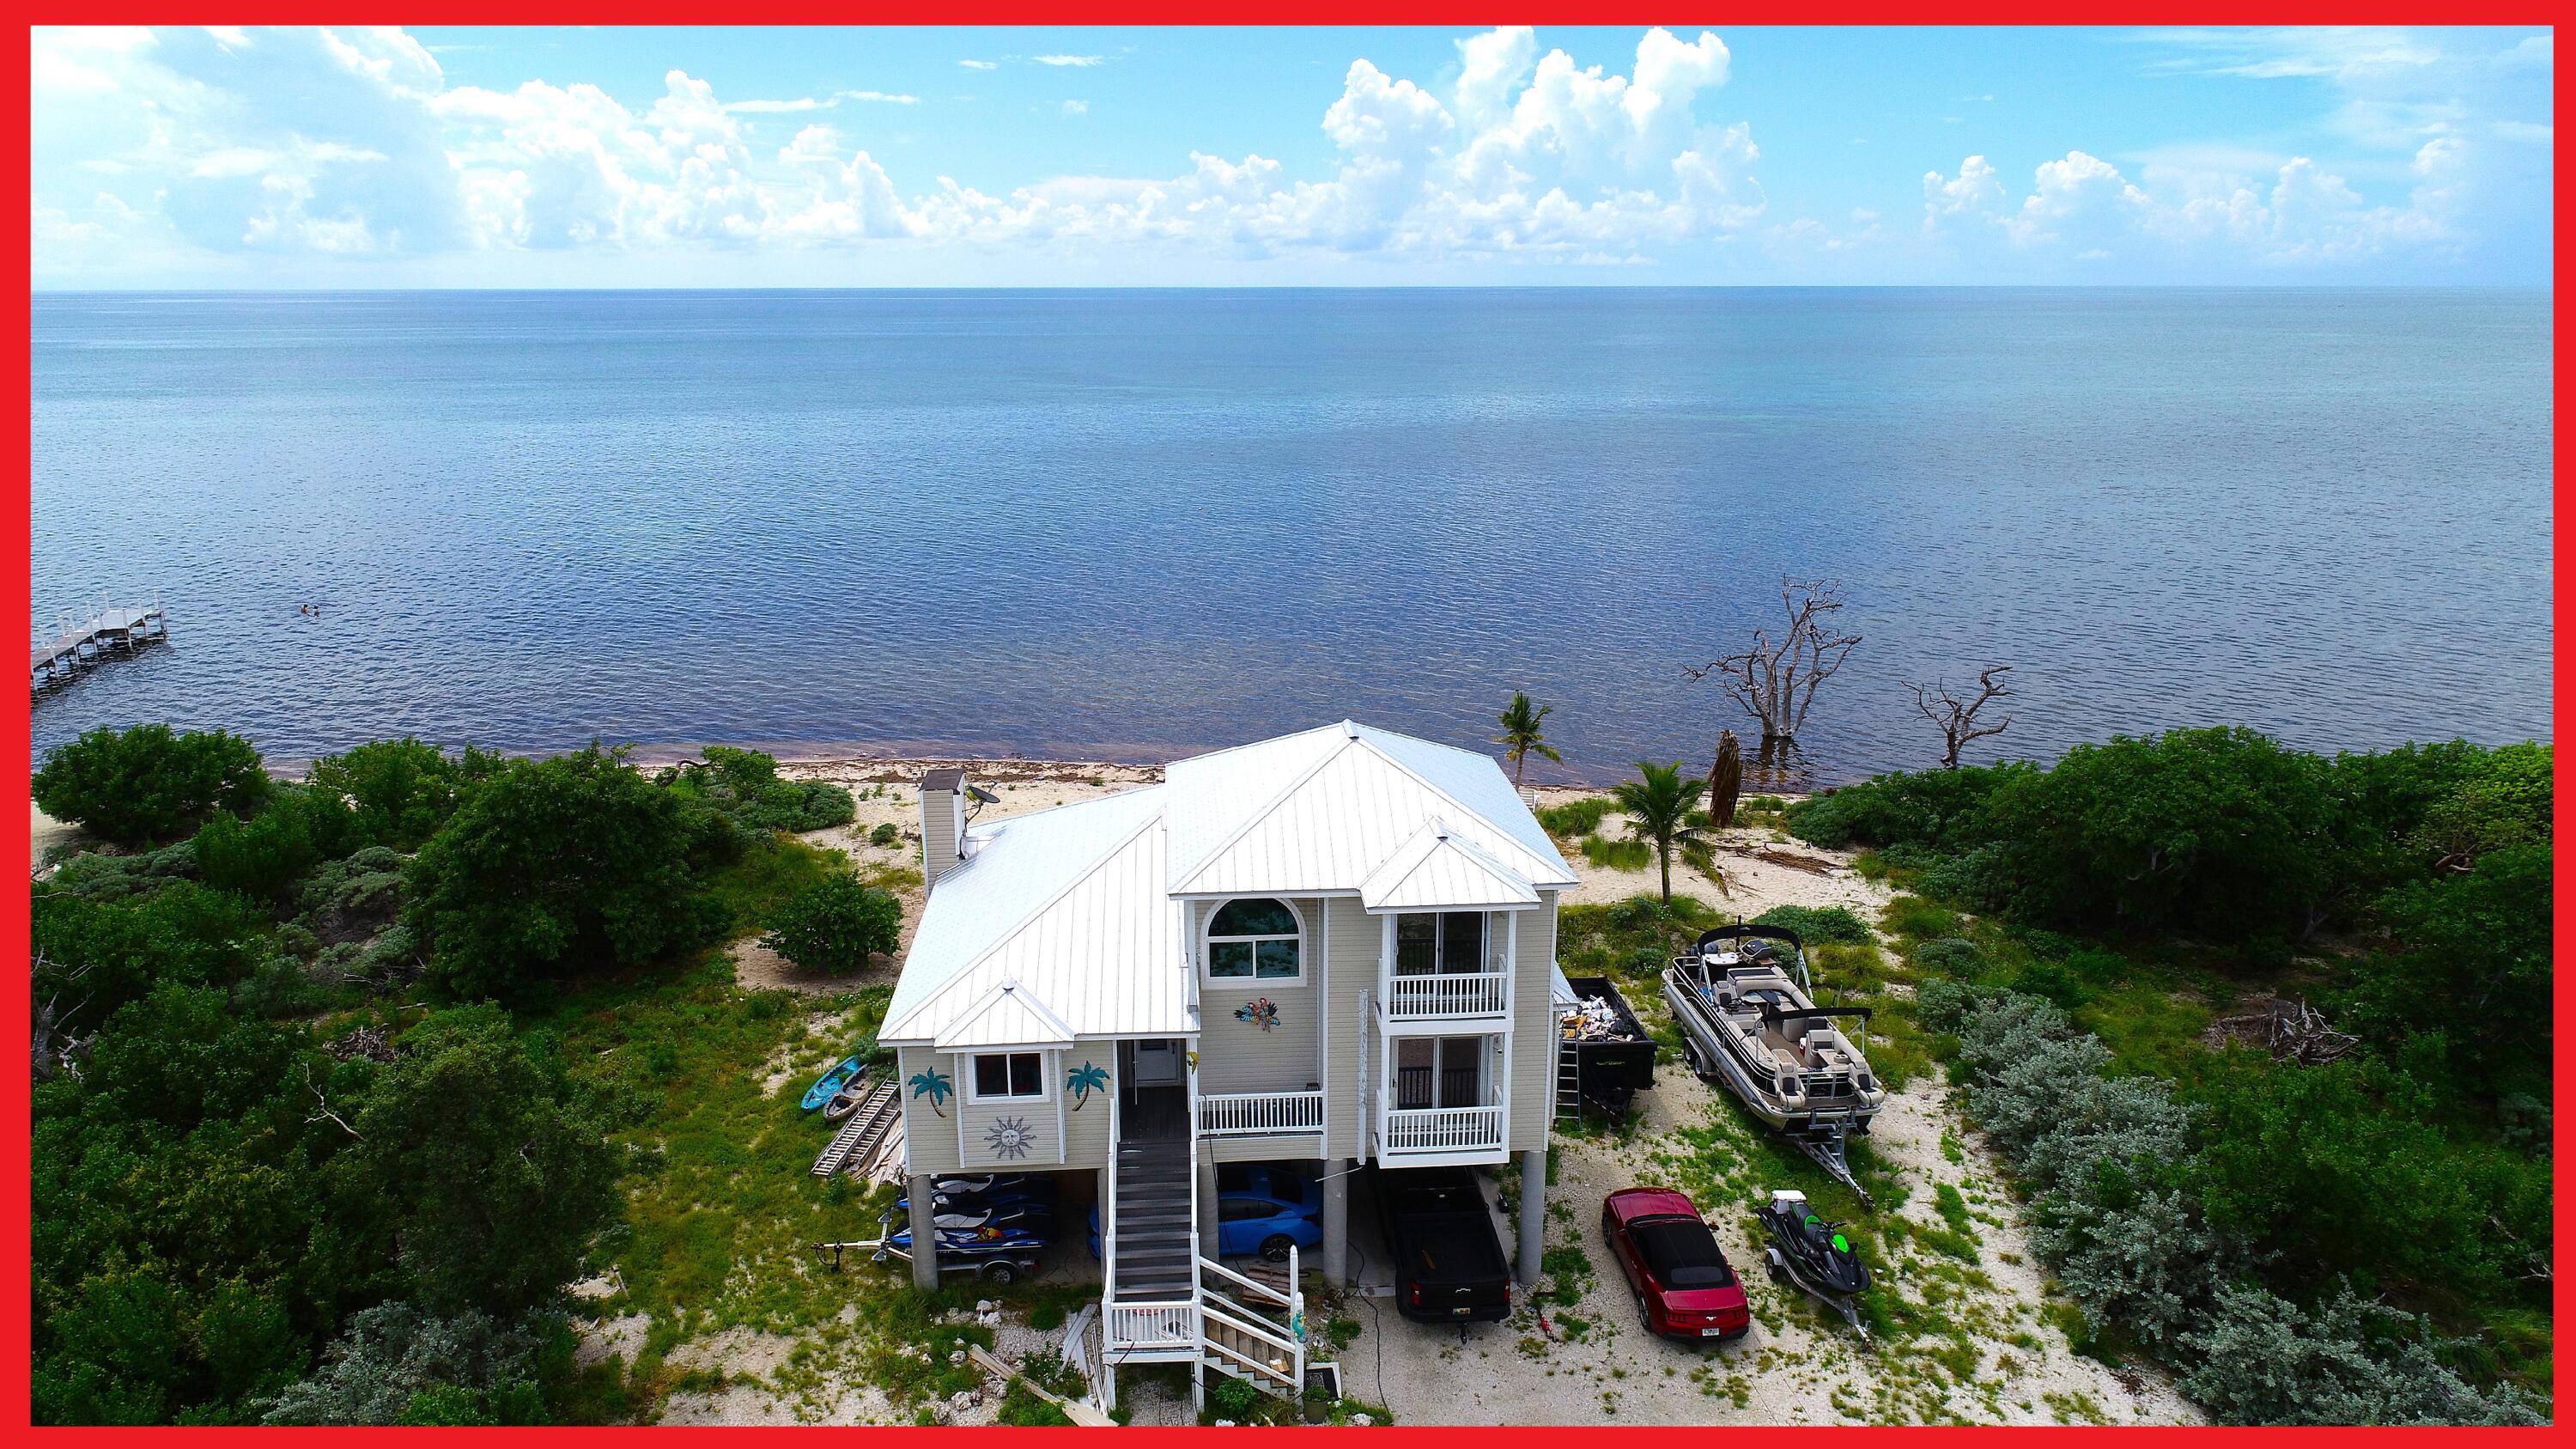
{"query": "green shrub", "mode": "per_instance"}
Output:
(121, 877)
(1575, 817)
(1948, 956)
(395, 1364)
(552, 868)
(1917, 917)
(259, 857)
(1621, 854)
(886, 836)
(103, 954)
(2264, 1360)
(743, 787)
(835, 925)
(397, 792)
(1941, 810)
(1818, 925)
(2217, 831)
(148, 783)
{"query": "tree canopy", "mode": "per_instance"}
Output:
(148, 783)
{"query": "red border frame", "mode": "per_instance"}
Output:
(15, 537)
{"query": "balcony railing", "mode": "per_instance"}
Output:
(1413, 998)
(1443, 1129)
(1260, 1114)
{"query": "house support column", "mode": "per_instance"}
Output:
(925, 1235)
(1208, 1216)
(1337, 1222)
(1533, 1213)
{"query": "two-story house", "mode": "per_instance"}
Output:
(1332, 948)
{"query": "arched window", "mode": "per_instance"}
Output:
(1253, 940)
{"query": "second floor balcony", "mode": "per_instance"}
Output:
(1448, 997)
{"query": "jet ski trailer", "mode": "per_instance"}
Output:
(1741, 999)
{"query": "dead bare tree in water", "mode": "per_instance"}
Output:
(1957, 719)
(1776, 679)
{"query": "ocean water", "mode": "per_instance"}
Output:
(1131, 524)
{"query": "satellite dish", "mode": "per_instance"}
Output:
(982, 796)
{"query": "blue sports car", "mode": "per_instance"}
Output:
(1260, 1209)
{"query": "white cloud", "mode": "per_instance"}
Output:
(819, 103)
(351, 142)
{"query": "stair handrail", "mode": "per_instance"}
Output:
(1289, 1348)
(1258, 1287)
(1109, 1220)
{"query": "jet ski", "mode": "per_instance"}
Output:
(1814, 1254)
(946, 1210)
(994, 1185)
(973, 1233)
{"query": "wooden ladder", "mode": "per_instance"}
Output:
(860, 1133)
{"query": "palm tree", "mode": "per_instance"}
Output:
(1658, 806)
(1521, 733)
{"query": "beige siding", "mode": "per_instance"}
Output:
(976, 1121)
(1265, 1149)
(942, 820)
(1087, 1127)
(1533, 1029)
(929, 1140)
(1238, 1056)
(1350, 973)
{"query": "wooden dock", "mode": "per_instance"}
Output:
(76, 644)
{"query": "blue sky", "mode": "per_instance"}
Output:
(971, 157)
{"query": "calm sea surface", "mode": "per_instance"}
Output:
(1135, 523)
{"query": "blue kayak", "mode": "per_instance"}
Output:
(829, 1085)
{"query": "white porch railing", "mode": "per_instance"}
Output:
(1141, 1327)
(1416, 997)
(1443, 1129)
(1260, 1114)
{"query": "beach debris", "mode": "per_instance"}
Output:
(2293, 1031)
(369, 1042)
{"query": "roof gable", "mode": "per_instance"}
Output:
(1437, 870)
(1339, 821)
(1007, 1015)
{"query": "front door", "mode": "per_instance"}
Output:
(1154, 1090)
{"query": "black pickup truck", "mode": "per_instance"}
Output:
(1449, 1263)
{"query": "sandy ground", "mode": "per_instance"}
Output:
(1591, 1363)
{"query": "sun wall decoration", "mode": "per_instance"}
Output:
(1010, 1137)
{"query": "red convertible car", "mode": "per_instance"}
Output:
(1684, 1287)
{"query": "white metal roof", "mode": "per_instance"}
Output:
(1438, 871)
(1069, 903)
(1356, 799)
(1075, 907)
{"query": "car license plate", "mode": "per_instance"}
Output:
(1712, 1333)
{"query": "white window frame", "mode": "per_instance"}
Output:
(1209, 940)
(974, 1088)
